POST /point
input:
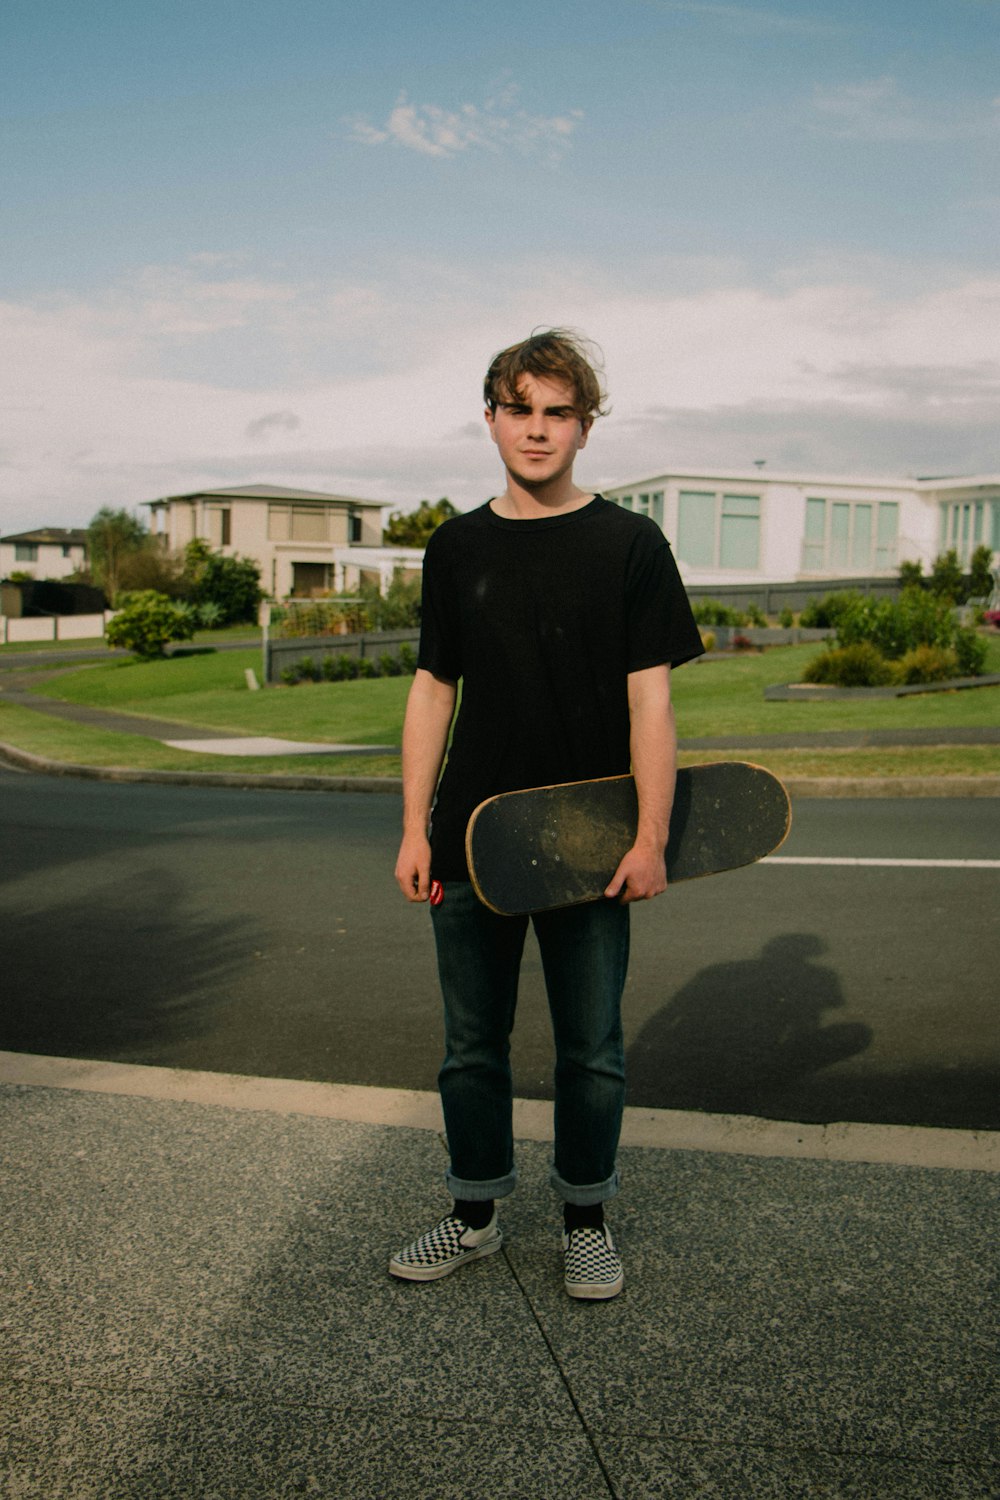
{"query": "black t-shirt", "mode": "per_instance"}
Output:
(542, 621)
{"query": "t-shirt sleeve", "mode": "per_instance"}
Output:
(661, 626)
(440, 634)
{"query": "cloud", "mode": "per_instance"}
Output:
(748, 20)
(877, 109)
(887, 372)
(498, 125)
(274, 421)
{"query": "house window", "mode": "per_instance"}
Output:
(297, 523)
(968, 524)
(625, 501)
(850, 536)
(718, 531)
(650, 504)
(354, 532)
(218, 525)
(25, 551)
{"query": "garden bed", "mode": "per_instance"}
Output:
(794, 692)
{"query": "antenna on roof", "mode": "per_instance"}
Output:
(759, 463)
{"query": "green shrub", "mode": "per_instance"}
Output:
(756, 616)
(927, 664)
(308, 670)
(209, 614)
(711, 612)
(946, 578)
(895, 626)
(786, 619)
(147, 621)
(230, 583)
(388, 665)
(407, 658)
(981, 573)
(366, 667)
(290, 675)
(708, 639)
(825, 614)
(970, 652)
(859, 665)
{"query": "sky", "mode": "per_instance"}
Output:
(247, 241)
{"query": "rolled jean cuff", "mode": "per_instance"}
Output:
(480, 1192)
(585, 1193)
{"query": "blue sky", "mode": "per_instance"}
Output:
(280, 242)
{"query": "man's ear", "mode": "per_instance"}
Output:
(586, 423)
(489, 414)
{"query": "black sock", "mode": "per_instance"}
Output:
(583, 1216)
(476, 1215)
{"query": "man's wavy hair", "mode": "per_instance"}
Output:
(553, 354)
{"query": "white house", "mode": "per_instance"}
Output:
(752, 526)
(49, 552)
(307, 543)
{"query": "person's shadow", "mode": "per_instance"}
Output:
(742, 1035)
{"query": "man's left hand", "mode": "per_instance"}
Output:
(641, 875)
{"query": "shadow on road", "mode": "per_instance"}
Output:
(741, 1034)
(117, 972)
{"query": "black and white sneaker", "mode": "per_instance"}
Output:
(593, 1265)
(444, 1248)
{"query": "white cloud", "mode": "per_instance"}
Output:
(824, 374)
(495, 126)
(877, 109)
(749, 20)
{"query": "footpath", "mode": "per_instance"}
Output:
(196, 1302)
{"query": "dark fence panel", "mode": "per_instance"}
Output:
(285, 653)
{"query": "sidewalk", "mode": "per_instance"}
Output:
(196, 1304)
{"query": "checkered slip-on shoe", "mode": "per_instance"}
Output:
(593, 1265)
(444, 1248)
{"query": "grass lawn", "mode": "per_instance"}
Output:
(721, 697)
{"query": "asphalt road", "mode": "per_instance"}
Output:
(260, 932)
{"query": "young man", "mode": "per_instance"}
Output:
(562, 615)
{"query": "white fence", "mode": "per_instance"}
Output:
(52, 627)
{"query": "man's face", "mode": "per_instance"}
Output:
(538, 437)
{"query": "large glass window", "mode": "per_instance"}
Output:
(297, 523)
(25, 551)
(850, 536)
(968, 524)
(718, 531)
(739, 539)
(696, 528)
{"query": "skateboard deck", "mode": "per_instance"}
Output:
(556, 846)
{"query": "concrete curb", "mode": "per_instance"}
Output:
(24, 760)
(798, 786)
(655, 1129)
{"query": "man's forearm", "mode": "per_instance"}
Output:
(653, 746)
(429, 711)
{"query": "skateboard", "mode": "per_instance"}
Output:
(555, 846)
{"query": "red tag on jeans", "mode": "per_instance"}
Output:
(437, 893)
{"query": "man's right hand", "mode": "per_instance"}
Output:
(413, 867)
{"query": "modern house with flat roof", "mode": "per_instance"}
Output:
(48, 552)
(306, 542)
(751, 526)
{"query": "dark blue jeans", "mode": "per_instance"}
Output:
(584, 953)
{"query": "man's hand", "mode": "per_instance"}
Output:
(413, 867)
(641, 875)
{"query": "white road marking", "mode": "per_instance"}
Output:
(906, 864)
